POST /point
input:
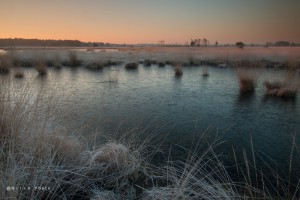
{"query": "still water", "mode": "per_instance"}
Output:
(153, 97)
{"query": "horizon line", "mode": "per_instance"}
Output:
(158, 43)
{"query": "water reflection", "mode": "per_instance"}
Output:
(245, 99)
(279, 100)
(178, 103)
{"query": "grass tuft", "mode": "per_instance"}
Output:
(178, 70)
(247, 80)
(19, 73)
(5, 64)
(41, 68)
(161, 64)
(205, 73)
(95, 65)
(131, 65)
(273, 85)
(57, 62)
(147, 63)
(286, 88)
(73, 60)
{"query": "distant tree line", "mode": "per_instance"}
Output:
(9, 42)
(284, 44)
(270, 44)
(199, 42)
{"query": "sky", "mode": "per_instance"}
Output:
(149, 21)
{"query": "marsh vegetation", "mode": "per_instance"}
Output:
(43, 142)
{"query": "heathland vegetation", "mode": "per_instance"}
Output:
(36, 150)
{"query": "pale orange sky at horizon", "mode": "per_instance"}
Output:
(141, 21)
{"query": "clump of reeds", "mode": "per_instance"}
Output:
(161, 64)
(19, 73)
(271, 85)
(247, 80)
(110, 62)
(41, 67)
(5, 64)
(247, 85)
(73, 60)
(113, 161)
(131, 65)
(178, 70)
(286, 88)
(169, 62)
(49, 63)
(57, 62)
(147, 63)
(194, 178)
(205, 73)
(98, 65)
(113, 155)
(246, 64)
(193, 62)
(23, 62)
(4, 69)
(95, 65)
(33, 153)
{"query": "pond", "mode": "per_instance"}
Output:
(181, 107)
